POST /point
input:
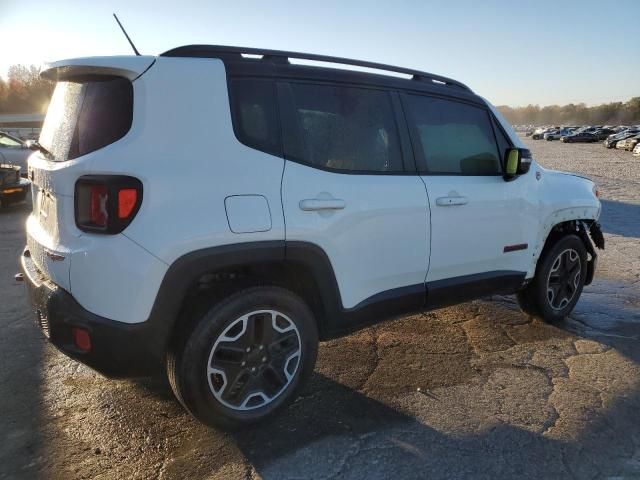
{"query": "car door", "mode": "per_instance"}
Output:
(351, 188)
(482, 227)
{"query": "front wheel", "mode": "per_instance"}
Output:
(558, 282)
(245, 358)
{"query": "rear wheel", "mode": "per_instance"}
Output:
(558, 283)
(245, 358)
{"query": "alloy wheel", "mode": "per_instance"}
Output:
(564, 279)
(254, 360)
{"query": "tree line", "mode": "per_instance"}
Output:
(24, 91)
(615, 113)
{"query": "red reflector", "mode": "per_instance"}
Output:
(81, 339)
(127, 199)
(98, 199)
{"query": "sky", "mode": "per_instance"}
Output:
(511, 52)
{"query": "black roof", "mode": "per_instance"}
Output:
(282, 57)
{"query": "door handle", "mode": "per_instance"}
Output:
(314, 204)
(450, 201)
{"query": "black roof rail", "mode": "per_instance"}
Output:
(221, 51)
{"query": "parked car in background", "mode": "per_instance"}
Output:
(612, 140)
(13, 188)
(628, 143)
(555, 135)
(583, 137)
(539, 134)
(14, 151)
(603, 133)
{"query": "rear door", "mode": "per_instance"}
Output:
(351, 188)
(482, 226)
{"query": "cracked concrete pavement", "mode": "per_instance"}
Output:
(478, 390)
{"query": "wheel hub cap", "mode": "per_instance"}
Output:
(564, 279)
(254, 359)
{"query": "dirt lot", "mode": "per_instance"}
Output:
(477, 390)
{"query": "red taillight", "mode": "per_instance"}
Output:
(127, 200)
(81, 339)
(106, 203)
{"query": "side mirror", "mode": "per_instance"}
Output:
(517, 161)
(30, 144)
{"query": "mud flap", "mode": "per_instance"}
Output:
(598, 240)
(596, 235)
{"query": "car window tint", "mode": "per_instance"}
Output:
(255, 115)
(341, 128)
(87, 114)
(8, 142)
(455, 138)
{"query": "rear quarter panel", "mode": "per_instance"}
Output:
(183, 149)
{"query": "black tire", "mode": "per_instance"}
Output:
(189, 361)
(545, 296)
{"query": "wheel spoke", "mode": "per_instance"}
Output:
(273, 379)
(228, 354)
(238, 388)
(284, 344)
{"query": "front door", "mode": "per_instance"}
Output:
(481, 225)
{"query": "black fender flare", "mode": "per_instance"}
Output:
(184, 271)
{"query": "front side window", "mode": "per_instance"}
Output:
(454, 138)
(340, 128)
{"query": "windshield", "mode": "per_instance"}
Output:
(85, 115)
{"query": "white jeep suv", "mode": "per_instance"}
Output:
(216, 211)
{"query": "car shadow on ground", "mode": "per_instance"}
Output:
(21, 357)
(335, 431)
(620, 218)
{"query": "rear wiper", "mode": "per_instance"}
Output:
(35, 145)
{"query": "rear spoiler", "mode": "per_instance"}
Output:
(123, 66)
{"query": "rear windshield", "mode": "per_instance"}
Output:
(87, 114)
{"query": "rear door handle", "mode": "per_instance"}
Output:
(451, 201)
(314, 204)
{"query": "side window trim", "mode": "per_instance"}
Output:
(421, 161)
(408, 152)
(286, 106)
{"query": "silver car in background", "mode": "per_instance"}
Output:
(14, 151)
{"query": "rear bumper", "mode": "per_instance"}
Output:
(117, 349)
(16, 191)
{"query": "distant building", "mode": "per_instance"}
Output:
(23, 125)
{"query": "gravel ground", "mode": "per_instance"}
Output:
(477, 390)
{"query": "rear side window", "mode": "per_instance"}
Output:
(87, 114)
(255, 114)
(454, 138)
(340, 128)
